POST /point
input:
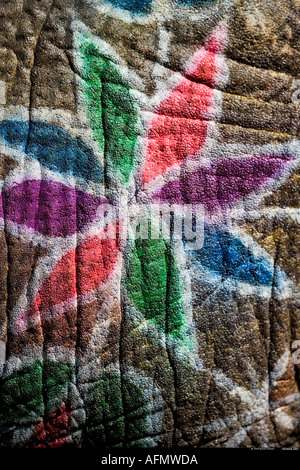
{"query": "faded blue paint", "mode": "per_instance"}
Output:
(194, 2)
(144, 6)
(135, 6)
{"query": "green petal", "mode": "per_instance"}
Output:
(111, 109)
(153, 286)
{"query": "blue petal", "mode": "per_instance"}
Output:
(229, 257)
(53, 147)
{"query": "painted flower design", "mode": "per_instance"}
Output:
(176, 168)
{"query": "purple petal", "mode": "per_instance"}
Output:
(223, 181)
(51, 208)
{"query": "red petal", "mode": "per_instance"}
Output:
(78, 272)
(180, 125)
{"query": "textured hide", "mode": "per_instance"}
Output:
(108, 342)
